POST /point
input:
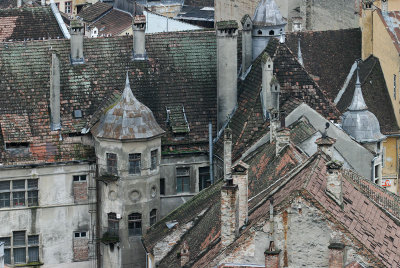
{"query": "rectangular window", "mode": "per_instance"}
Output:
(394, 86)
(134, 163)
(162, 186)
(4, 194)
(112, 164)
(78, 178)
(68, 7)
(19, 238)
(33, 248)
(204, 177)
(113, 224)
(154, 154)
(135, 224)
(19, 255)
(183, 180)
(33, 192)
(80, 234)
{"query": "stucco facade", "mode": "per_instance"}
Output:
(51, 223)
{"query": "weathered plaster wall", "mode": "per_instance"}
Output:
(301, 232)
(390, 169)
(56, 217)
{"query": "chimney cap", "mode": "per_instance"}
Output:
(227, 24)
(325, 141)
(334, 165)
(138, 19)
(76, 24)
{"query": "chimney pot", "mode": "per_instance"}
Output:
(334, 181)
(76, 42)
(19, 3)
(336, 254)
(185, 257)
(228, 154)
(226, 70)
(240, 178)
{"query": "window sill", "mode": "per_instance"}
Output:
(30, 264)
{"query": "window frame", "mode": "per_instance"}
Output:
(153, 159)
(135, 164)
(79, 178)
(30, 242)
(135, 224)
(68, 7)
(24, 195)
(181, 178)
(113, 224)
(153, 216)
(112, 163)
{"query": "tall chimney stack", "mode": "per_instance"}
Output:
(19, 3)
(43, 2)
(267, 67)
(55, 119)
(240, 177)
(325, 143)
(139, 37)
(272, 253)
(227, 32)
(76, 42)
(229, 197)
(336, 253)
(247, 44)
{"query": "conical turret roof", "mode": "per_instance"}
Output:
(360, 123)
(267, 14)
(128, 119)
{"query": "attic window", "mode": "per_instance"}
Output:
(259, 32)
(17, 145)
(248, 24)
(271, 32)
(78, 113)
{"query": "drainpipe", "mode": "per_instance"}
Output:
(210, 144)
(98, 200)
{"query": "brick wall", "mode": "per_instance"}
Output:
(81, 250)
(80, 191)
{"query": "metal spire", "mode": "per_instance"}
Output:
(299, 55)
(358, 103)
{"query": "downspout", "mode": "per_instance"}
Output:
(210, 144)
(98, 216)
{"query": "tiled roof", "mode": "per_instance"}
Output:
(375, 94)
(203, 209)
(196, 13)
(177, 119)
(247, 123)
(301, 130)
(94, 11)
(113, 23)
(28, 23)
(95, 85)
(328, 55)
(8, 4)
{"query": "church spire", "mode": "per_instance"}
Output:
(358, 103)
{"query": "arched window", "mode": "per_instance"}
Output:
(113, 224)
(153, 216)
(135, 224)
(259, 32)
(271, 32)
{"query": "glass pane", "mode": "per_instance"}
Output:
(19, 238)
(19, 199)
(33, 254)
(186, 184)
(153, 159)
(32, 198)
(33, 184)
(7, 256)
(6, 241)
(19, 184)
(4, 185)
(4, 200)
(134, 163)
(179, 185)
(19, 255)
(112, 163)
(33, 240)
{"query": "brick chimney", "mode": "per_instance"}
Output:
(185, 257)
(55, 119)
(229, 197)
(241, 179)
(247, 44)
(139, 37)
(227, 32)
(336, 254)
(76, 29)
(334, 181)
(272, 254)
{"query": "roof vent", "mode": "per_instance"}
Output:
(78, 113)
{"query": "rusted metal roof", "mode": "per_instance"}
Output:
(128, 119)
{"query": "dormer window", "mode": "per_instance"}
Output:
(259, 32)
(271, 32)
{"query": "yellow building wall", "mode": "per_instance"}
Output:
(366, 33)
(390, 168)
(384, 49)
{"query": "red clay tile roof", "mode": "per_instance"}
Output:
(113, 23)
(28, 23)
(94, 11)
(95, 85)
(15, 127)
(328, 55)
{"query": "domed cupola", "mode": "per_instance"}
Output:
(360, 123)
(128, 119)
(267, 22)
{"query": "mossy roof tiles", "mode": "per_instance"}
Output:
(94, 11)
(28, 23)
(94, 86)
